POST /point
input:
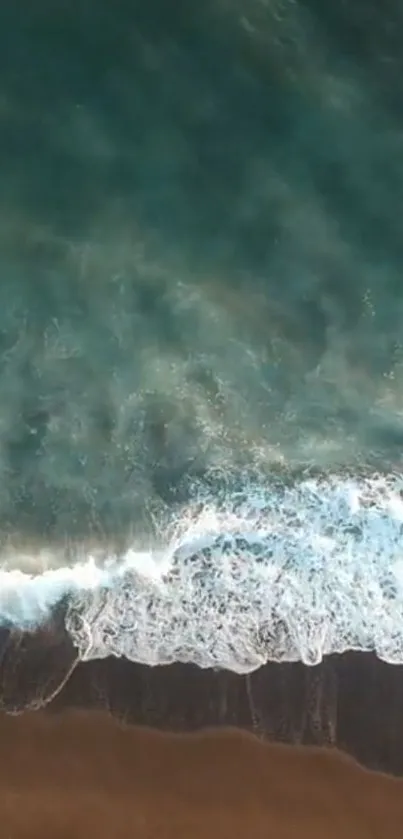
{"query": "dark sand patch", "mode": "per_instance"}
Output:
(87, 775)
(352, 701)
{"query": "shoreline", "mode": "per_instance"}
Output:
(352, 701)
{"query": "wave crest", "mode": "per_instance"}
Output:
(262, 573)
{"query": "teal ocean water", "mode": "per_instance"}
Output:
(201, 300)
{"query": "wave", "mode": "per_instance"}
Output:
(239, 576)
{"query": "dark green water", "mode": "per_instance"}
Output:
(200, 248)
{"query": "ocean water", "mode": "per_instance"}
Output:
(201, 326)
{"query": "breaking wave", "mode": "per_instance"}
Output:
(240, 576)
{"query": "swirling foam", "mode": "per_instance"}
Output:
(276, 572)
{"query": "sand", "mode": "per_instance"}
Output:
(85, 774)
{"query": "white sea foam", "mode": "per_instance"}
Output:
(26, 600)
(239, 577)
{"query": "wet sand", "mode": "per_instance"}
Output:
(86, 774)
(352, 701)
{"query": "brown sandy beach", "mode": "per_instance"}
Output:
(81, 774)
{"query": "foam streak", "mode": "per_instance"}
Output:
(264, 573)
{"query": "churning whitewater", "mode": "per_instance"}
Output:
(239, 577)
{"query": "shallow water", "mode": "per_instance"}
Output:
(200, 258)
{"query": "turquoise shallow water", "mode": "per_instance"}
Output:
(200, 258)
